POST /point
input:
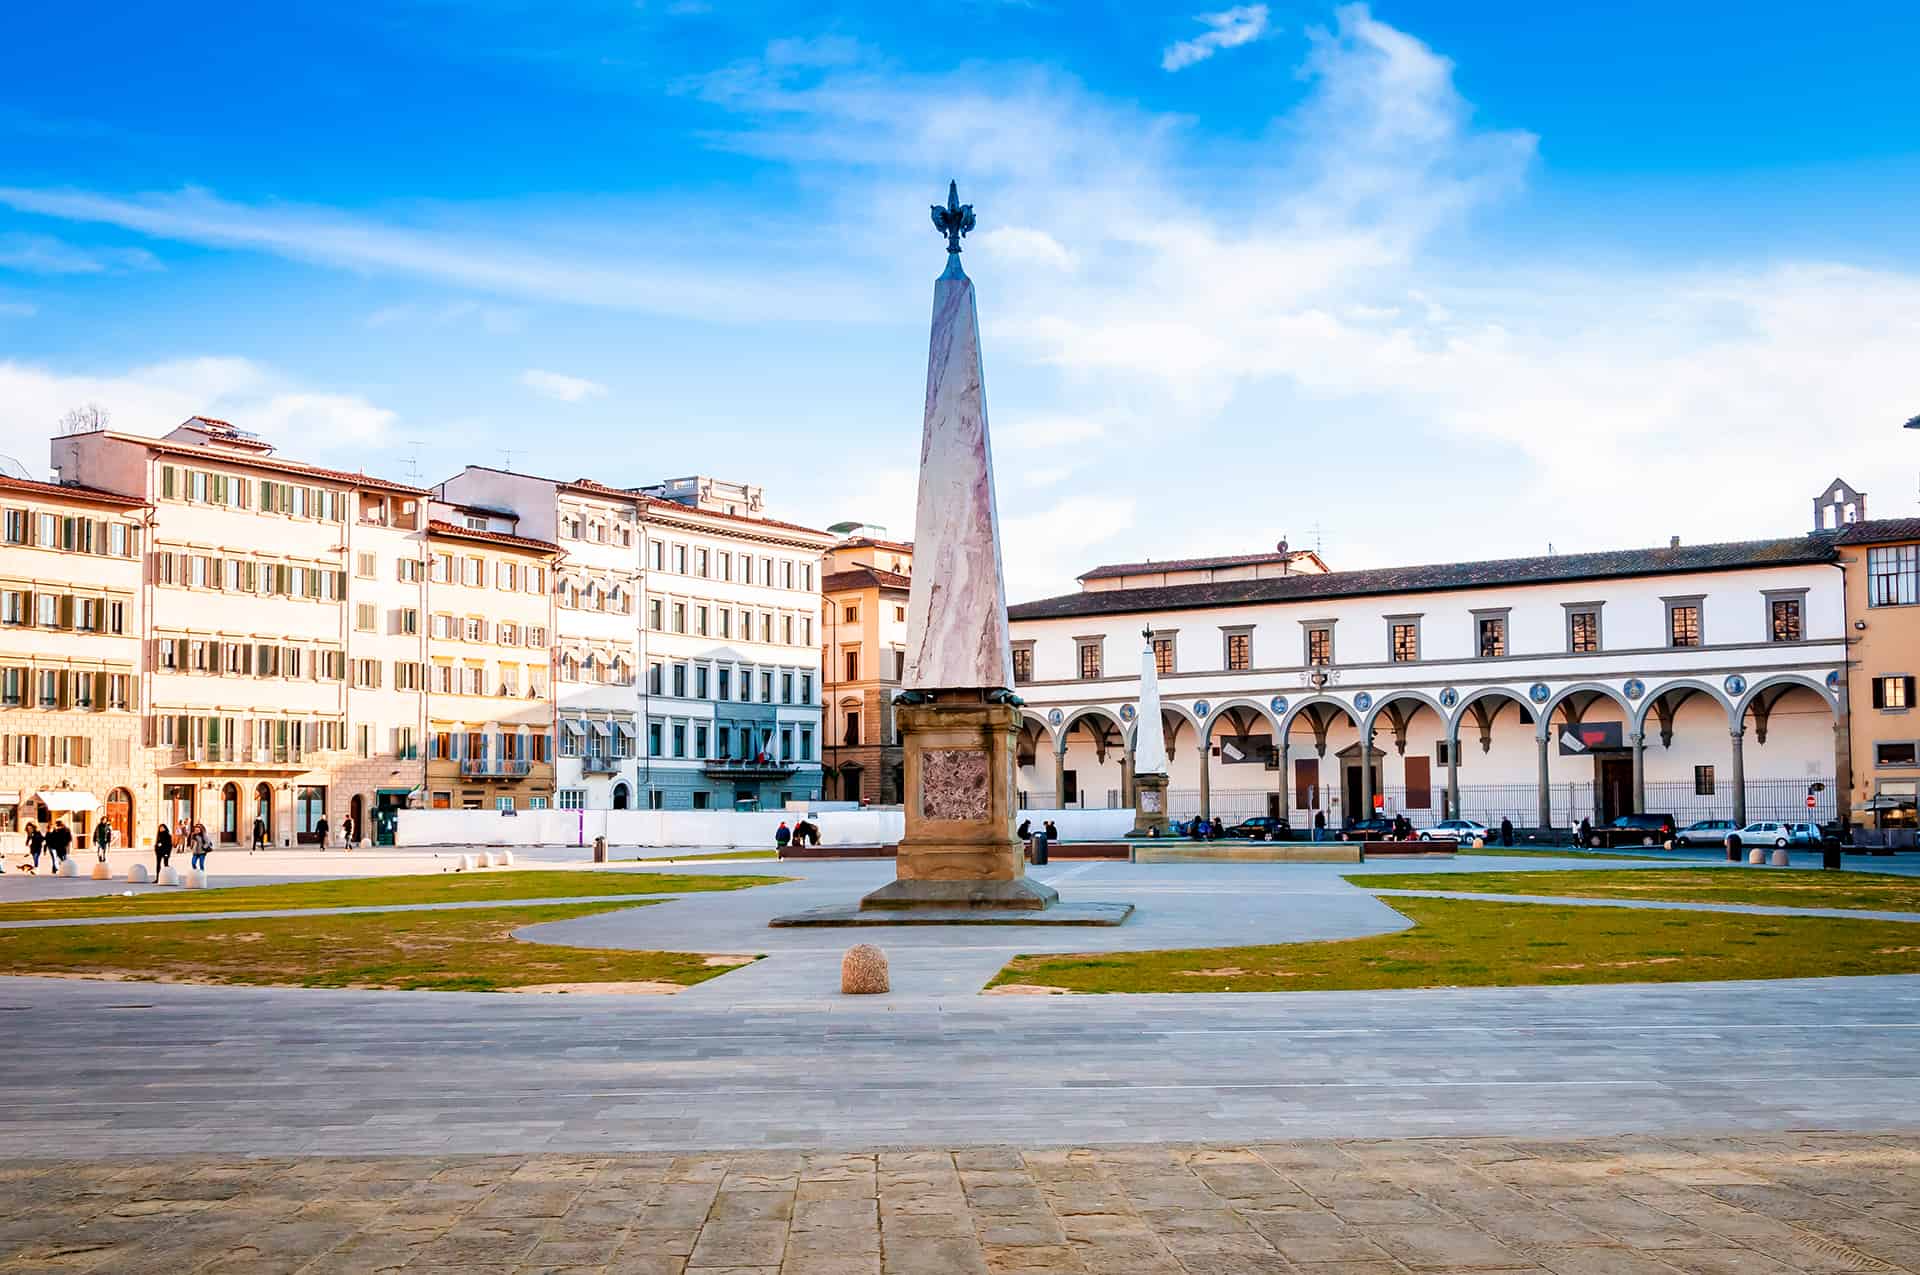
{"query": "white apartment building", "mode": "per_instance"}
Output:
(597, 589)
(70, 603)
(724, 693)
(1701, 681)
(247, 629)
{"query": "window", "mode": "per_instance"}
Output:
(1162, 655)
(1239, 652)
(655, 612)
(1703, 781)
(851, 731)
(1583, 630)
(571, 799)
(679, 617)
(850, 613)
(700, 681)
(725, 683)
(680, 559)
(1783, 619)
(1683, 621)
(1022, 664)
(1404, 641)
(766, 686)
(1491, 631)
(852, 660)
(1089, 659)
(1893, 692)
(679, 739)
(653, 739)
(786, 688)
(1320, 644)
(680, 680)
(1903, 752)
(364, 565)
(1893, 576)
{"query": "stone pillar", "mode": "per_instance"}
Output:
(1546, 806)
(1286, 782)
(1842, 764)
(960, 849)
(1639, 741)
(1739, 777)
(1060, 776)
(1366, 773)
(1206, 787)
(1453, 772)
(1126, 776)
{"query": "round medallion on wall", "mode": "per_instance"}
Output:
(1539, 692)
(1449, 697)
(1200, 709)
(1055, 717)
(1634, 688)
(1833, 681)
(1126, 712)
(1363, 701)
(1735, 684)
(1278, 704)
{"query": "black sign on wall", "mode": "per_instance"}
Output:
(1245, 750)
(1590, 737)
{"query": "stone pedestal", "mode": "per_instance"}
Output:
(1149, 806)
(960, 849)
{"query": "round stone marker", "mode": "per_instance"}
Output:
(68, 868)
(863, 970)
(1756, 855)
(137, 874)
(1780, 859)
(169, 875)
(503, 858)
(101, 872)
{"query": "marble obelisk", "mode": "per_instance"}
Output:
(1149, 751)
(958, 719)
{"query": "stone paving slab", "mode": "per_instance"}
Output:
(1675, 1205)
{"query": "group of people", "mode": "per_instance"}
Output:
(1046, 826)
(57, 843)
(804, 833)
(189, 837)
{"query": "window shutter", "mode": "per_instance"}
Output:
(1910, 682)
(1879, 693)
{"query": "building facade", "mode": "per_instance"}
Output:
(1702, 681)
(490, 707)
(1881, 561)
(70, 625)
(864, 622)
(246, 624)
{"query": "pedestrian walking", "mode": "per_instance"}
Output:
(1319, 825)
(782, 835)
(36, 842)
(1586, 829)
(162, 848)
(102, 838)
(320, 830)
(200, 847)
(259, 835)
(1506, 831)
(181, 829)
(59, 841)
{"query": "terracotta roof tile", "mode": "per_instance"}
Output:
(1194, 564)
(223, 456)
(70, 491)
(1437, 577)
(435, 527)
(1878, 531)
(864, 577)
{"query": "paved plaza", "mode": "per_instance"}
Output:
(1626, 1206)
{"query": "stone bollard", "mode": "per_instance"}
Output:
(138, 874)
(599, 849)
(169, 875)
(193, 879)
(503, 858)
(1780, 858)
(484, 859)
(101, 872)
(68, 868)
(1757, 855)
(863, 970)
(466, 863)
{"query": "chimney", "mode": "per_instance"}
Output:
(1674, 543)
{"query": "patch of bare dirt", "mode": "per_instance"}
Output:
(1617, 965)
(639, 988)
(729, 961)
(1224, 971)
(1025, 989)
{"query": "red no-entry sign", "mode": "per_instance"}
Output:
(1809, 801)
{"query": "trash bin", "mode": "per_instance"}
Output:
(1830, 856)
(1039, 850)
(599, 849)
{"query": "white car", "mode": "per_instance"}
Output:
(1462, 830)
(1767, 833)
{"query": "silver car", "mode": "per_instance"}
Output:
(1705, 832)
(1461, 830)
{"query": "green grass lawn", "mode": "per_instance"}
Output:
(1773, 887)
(1566, 852)
(465, 951)
(446, 887)
(1464, 943)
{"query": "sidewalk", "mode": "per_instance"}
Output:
(1735, 1205)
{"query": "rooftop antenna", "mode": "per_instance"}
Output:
(12, 468)
(413, 460)
(508, 454)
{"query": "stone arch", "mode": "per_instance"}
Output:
(1220, 710)
(1505, 694)
(1074, 716)
(1544, 714)
(1802, 680)
(1639, 717)
(1182, 716)
(1297, 710)
(1390, 697)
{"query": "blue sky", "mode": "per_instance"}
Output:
(1423, 281)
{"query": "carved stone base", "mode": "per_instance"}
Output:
(1149, 806)
(960, 850)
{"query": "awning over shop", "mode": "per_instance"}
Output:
(63, 800)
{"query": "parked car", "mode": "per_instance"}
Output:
(1807, 835)
(1260, 828)
(1765, 832)
(1375, 829)
(1705, 832)
(1633, 830)
(1461, 830)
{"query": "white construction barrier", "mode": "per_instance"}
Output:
(137, 874)
(716, 829)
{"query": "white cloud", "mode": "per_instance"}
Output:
(1228, 29)
(496, 319)
(152, 399)
(1031, 433)
(43, 254)
(1024, 246)
(567, 389)
(1052, 543)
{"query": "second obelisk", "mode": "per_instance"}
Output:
(959, 721)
